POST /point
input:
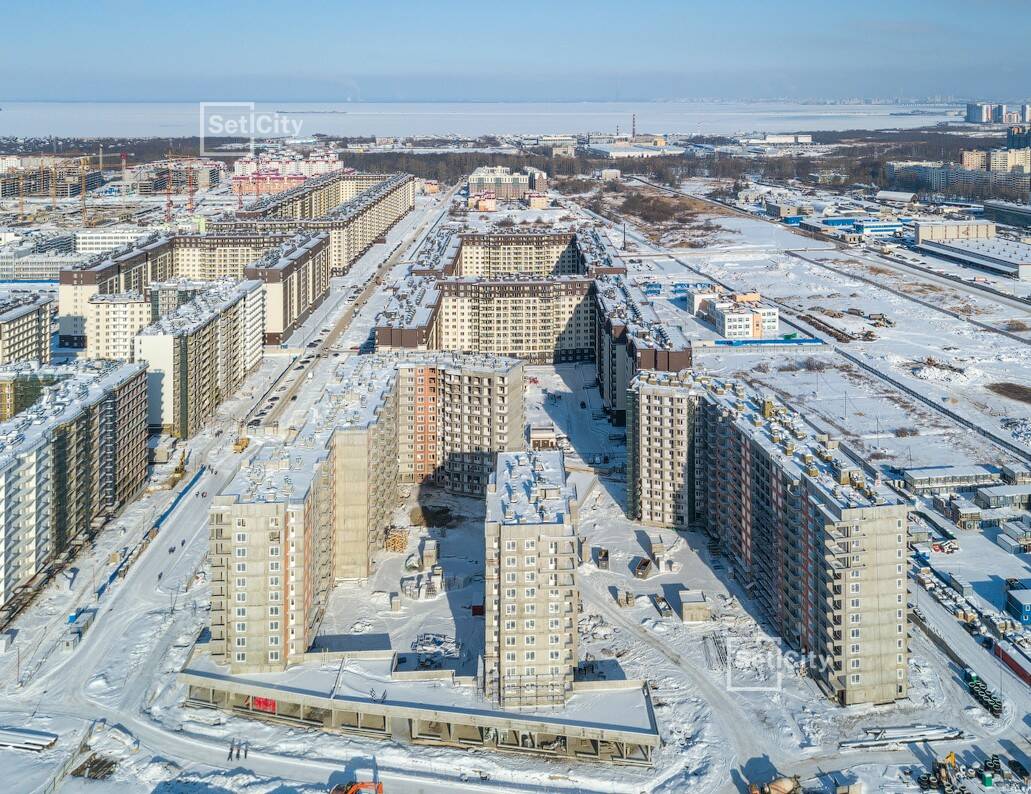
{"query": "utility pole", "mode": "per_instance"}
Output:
(624, 235)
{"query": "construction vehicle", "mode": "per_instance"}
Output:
(355, 786)
(241, 444)
(780, 785)
(180, 471)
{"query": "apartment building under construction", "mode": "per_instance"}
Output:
(329, 491)
(73, 450)
(809, 529)
(531, 604)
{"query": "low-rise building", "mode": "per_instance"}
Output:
(941, 231)
(1008, 257)
(106, 238)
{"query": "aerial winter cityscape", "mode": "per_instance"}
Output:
(620, 419)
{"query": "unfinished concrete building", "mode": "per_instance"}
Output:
(808, 527)
(531, 604)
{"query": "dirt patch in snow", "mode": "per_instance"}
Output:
(1015, 391)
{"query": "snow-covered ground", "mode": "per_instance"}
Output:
(725, 715)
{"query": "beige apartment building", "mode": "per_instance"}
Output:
(385, 419)
(296, 278)
(112, 322)
(974, 158)
(532, 604)
(73, 450)
(270, 528)
(504, 184)
(540, 322)
(293, 266)
(354, 210)
(526, 295)
(530, 254)
(200, 354)
(805, 523)
(25, 326)
(1006, 160)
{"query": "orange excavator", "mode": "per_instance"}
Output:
(355, 787)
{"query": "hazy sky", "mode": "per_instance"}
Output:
(311, 50)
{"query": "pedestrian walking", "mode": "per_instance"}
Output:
(230, 756)
(237, 752)
(245, 748)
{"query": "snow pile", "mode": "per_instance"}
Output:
(930, 370)
(594, 627)
(361, 626)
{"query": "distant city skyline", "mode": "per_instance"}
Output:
(316, 51)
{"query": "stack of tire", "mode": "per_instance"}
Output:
(986, 697)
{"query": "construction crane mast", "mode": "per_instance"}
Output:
(83, 171)
(191, 188)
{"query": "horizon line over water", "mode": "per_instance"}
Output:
(180, 119)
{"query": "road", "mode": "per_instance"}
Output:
(286, 388)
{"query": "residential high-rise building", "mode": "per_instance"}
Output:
(975, 158)
(1018, 137)
(73, 450)
(198, 355)
(26, 320)
(506, 185)
(979, 113)
(271, 529)
(385, 419)
(293, 267)
(112, 322)
(532, 604)
(355, 210)
(1006, 160)
(806, 525)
